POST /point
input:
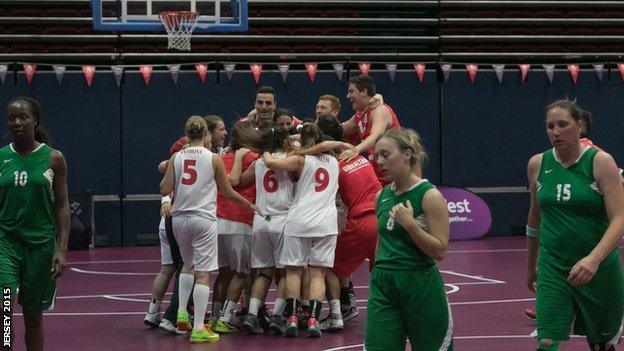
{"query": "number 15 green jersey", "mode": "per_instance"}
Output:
(573, 214)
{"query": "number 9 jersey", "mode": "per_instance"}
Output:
(195, 186)
(313, 212)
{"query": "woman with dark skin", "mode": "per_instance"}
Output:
(34, 207)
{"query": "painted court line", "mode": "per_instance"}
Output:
(114, 261)
(78, 270)
(494, 281)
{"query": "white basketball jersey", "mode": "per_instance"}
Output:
(274, 189)
(313, 212)
(195, 186)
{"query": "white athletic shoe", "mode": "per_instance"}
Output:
(152, 319)
(332, 323)
(165, 324)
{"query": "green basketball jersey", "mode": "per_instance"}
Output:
(26, 200)
(573, 214)
(397, 250)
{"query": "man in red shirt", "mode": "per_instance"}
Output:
(372, 118)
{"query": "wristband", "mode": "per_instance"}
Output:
(533, 233)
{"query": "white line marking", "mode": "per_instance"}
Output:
(110, 273)
(120, 261)
(483, 251)
(475, 277)
(490, 301)
(454, 288)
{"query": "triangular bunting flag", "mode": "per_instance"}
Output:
(550, 72)
(446, 71)
(3, 72)
(283, 70)
(420, 70)
(202, 70)
(391, 67)
(339, 68)
(59, 71)
(364, 67)
(524, 69)
(229, 70)
(29, 69)
(311, 68)
(472, 71)
(599, 71)
(574, 70)
(89, 72)
(256, 70)
(146, 72)
(499, 70)
(621, 68)
(117, 73)
(174, 71)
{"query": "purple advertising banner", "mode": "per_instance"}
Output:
(469, 215)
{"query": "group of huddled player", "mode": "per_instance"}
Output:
(266, 208)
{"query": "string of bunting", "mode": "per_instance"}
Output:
(311, 68)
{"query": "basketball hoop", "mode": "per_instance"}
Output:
(179, 26)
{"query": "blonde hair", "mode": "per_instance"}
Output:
(408, 139)
(195, 128)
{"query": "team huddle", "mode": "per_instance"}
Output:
(286, 201)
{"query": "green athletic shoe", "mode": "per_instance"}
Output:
(183, 323)
(203, 335)
(223, 327)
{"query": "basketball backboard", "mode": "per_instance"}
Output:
(142, 15)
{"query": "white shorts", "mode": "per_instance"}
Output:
(197, 239)
(226, 226)
(266, 247)
(303, 251)
(235, 252)
(165, 249)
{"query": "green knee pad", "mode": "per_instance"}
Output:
(554, 346)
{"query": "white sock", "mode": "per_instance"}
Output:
(227, 311)
(278, 309)
(216, 309)
(154, 306)
(201, 294)
(334, 306)
(184, 290)
(254, 306)
(305, 303)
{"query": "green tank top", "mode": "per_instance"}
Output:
(26, 200)
(397, 250)
(573, 214)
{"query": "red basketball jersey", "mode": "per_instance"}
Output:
(227, 209)
(362, 119)
(358, 185)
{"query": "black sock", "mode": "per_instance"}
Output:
(291, 307)
(315, 308)
(344, 296)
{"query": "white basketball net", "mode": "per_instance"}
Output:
(179, 26)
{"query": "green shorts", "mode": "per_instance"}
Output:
(29, 268)
(595, 308)
(408, 304)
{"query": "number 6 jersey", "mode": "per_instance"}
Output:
(573, 214)
(195, 186)
(313, 211)
(274, 189)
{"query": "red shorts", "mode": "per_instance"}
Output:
(355, 243)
